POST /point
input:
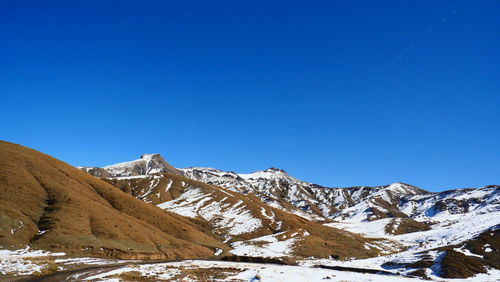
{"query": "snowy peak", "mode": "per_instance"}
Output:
(401, 189)
(151, 156)
(268, 174)
(147, 164)
(230, 178)
(276, 170)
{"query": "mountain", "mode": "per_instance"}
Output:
(279, 189)
(146, 164)
(50, 205)
(247, 224)
(147, 209)
(426, 233)
(144, 213)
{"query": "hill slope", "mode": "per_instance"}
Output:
(51, 205)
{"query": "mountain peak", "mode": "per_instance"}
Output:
(145, 165)
(274, 169)
(150, 156)
(404, 188)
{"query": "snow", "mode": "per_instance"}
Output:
(131, 177)
(481, 200)
(270, 173)
(247, 272)
(148, 270)
(148, 164)
(466, 252)
(18, 262)
(455, 229)
(272, 249)
(154, 180)
(90, 261)
(449, 229)
(395, 224)
(235, 219)
(183, 204)
(264, 214)
(169, 185)
(374, 228)
(269, 245)
(222, 190)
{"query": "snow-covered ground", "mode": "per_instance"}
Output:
(242, 272)
(18, 262)
(269, 245)
(23, 262)
(229, 219)
(180, 271)
(450, 230)
(27, 261)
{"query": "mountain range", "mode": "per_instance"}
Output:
(148, 209)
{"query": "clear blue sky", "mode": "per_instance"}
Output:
(339, 93)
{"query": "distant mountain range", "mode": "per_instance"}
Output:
(148, 209)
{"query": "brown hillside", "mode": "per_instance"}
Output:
(51, 205)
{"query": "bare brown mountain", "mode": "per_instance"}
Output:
(51, 205)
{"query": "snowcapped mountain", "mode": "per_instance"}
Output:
(248, 225)
(273, 186)
(277, 188)
(269, 213)
(438, 229)
(145, 165)
(359, 204)
(452, 202)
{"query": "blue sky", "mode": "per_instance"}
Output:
(339, 93)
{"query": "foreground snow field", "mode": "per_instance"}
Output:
(29, 262)
(223, 271)
(26, 262)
